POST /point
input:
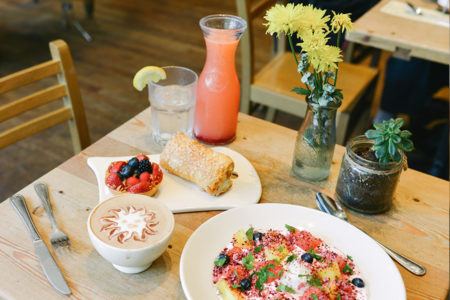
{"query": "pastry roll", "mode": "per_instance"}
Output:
(194, 162)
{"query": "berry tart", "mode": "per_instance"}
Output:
(137, 175)
(285, 264)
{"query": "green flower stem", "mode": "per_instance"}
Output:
(337, 64)
(291, 45)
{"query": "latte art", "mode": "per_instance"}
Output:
(124, 224)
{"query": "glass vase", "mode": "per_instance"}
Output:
(218, 90)
(315, 143)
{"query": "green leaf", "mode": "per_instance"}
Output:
(338, 297)
(220, 261)
(258, 249)
(405, 134)
(291, 258)
(314, 281)
(249, 234)
(290, 228)
(262, 276)
(285, 288)
(349, 257)
(372, 134)
(314, 254)
(235, 286)
(396, 139)
(314, 297)
(347, 270)
(391, 148)
(301, 91)
(248, 261)
(407, 145)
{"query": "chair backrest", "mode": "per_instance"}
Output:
(249, 10)
(67, 89)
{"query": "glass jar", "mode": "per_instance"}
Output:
(315, 143)
(364, 185)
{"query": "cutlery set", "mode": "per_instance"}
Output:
(57, 239)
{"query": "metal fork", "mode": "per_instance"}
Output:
(58, 237)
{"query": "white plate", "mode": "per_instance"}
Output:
(380, 274)
(183, 196)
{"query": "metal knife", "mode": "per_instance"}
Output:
(51, 269)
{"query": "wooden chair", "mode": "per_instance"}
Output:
(67, 89)
(272, 85)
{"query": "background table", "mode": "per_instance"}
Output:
(388, 32)
(417, 225)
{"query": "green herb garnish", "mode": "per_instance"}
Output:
(338, 297)
(349, 257)
(249, 234)
(290, 228)
(314, 296)
(291, 258)
(314, 254)
(314, 281)
(347, 270)
(263, 275)
(281, 248)
(285, 288)
(248, 261)
(258, 249)
(235, 286)
(220, 261)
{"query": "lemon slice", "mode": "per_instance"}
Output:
(147, 74)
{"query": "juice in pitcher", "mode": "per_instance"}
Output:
(218, 90)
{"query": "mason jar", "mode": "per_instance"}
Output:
(364, 185)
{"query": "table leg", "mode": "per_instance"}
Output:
(89, 8)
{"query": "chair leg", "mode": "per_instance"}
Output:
(69, 18)
(341, 127)
(270, 114)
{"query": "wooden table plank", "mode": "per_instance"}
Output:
(388, 32)
(417, 225)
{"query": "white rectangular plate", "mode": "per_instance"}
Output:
(183, 196)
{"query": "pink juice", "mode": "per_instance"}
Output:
(218, 90)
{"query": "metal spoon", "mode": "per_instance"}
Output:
(330, 206)
(415, 9)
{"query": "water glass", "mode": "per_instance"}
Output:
(172, 103)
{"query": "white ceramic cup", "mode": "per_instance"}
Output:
(133, 260)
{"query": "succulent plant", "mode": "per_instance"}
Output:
(389, 140)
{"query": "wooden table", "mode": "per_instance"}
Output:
(404, 37)
(417, 226)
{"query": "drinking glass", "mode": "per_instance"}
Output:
(172, 103)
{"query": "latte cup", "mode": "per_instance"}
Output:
(136, 256)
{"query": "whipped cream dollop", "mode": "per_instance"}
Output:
(128, 223)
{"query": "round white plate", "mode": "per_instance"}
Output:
(380, 274)
(183, 196)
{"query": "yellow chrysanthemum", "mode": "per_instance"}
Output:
(281, 18)
(311, 19)
(341, 22)
(321, 56)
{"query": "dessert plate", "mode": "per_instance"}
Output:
(382, 279)
(183, 196)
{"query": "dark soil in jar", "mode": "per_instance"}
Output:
(363, 189)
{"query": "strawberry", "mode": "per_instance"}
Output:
(113, 181)
(140, 187)
(131, 181)
(144, 176)
(116, 166)
(157, 174)
(141, 157)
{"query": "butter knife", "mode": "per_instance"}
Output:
(51, 270)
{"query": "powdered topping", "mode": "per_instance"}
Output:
(285, 264)
(128, 223)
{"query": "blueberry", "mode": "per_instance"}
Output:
(245, 284)
(257, 236)
(126, 171)
(307, 257)
(133, 163)
(358, 282)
